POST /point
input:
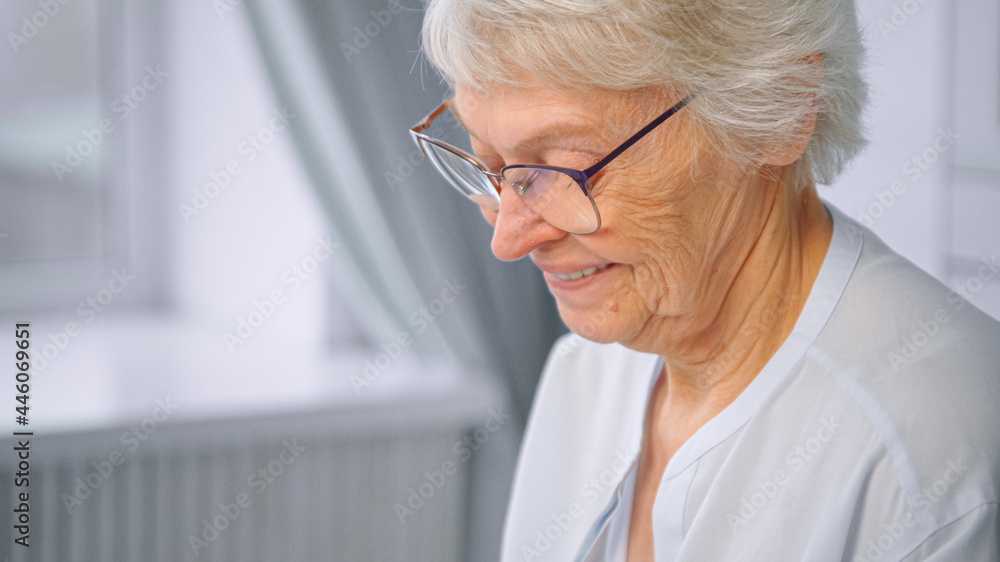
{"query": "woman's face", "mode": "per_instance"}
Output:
(677, 220)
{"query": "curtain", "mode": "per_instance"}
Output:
(350, 73)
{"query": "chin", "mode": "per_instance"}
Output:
(598, 326)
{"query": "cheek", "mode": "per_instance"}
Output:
(662, 281)
(650, 232)
(618, 317)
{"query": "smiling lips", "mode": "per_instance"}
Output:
(579, 274)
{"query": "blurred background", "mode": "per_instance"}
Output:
(262, 331)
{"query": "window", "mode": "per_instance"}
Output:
(70, 103)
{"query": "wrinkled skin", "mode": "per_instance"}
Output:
(710, 262)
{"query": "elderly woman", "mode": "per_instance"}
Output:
(753, 376)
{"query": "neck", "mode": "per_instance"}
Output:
(720, 354)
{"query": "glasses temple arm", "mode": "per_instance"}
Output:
(635, 138)
(426, 122)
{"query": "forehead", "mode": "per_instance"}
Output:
(504, 116)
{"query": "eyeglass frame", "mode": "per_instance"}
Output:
(581, 177)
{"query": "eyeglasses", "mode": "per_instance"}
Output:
(560, 196)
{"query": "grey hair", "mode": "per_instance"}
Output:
(747, 61)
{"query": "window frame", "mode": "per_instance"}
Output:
(133, 179)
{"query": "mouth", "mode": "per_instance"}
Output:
(583, 285)
(562, 285)
(579, 274)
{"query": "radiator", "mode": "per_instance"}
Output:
(327, 484)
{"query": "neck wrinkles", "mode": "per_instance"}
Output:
(709, 369)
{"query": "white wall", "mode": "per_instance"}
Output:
(907, 72)
(974, 230)
(941, 216)
(266, 220)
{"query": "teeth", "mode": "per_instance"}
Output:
(579, 274)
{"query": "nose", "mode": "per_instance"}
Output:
(518, 229)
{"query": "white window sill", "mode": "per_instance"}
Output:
(113, 373)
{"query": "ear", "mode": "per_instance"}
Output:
(793, 147)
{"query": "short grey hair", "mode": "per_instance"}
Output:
(747, 60)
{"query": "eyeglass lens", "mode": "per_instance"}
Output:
(552, 195)
(555, 197)
(466, 177)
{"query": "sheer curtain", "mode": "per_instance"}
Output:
(350, 73)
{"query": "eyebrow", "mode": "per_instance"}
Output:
(560, 131)
(554, 130)
(454, 111)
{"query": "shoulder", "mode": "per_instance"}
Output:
(921, 365)
(914, 343)
(881, 441)
(911, 312)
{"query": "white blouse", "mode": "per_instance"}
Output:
(872, 434)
